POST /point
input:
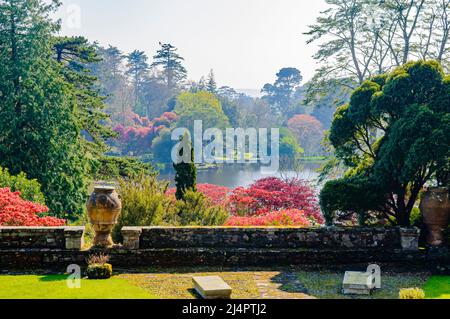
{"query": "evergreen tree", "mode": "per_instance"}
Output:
(77, 55)
(211, 85)
(137, 69)
(113, 83)
(280, 94)
(185, 171)
(171, 62)
(40, 132)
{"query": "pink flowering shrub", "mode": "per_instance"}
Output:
(137, 138)
(274, 199)
(289, 217)
(15, 211)
(217, 194)
(268, 202)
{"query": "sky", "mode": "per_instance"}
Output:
(245, 42)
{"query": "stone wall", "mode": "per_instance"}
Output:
(260, 238)
(56, 248)
(41, 237)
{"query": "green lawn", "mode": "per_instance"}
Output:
(438, 287)
(178, 285)
(327, 285)
(55, 287)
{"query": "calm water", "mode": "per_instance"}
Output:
(233, 176)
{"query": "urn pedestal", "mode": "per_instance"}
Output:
(104, 207)
(435, 208)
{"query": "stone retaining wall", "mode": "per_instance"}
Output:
(56, 248)
(224, 237)
(41, 237)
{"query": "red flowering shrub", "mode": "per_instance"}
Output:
(137, 138)
(272, 194)
(217, 194)
(15, 211)
(289, 217)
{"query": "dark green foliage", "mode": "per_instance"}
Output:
(280, 94)
(185, 174)
(197, 210)
(38, 108)
(29, 189)
(171, 63)
(396, 133)
(352, 195)
(109, 167)
(77, 57)
(137, 69)
(99, 271)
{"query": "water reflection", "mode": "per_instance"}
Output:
(233, 176)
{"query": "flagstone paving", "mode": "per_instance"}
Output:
(245, 285)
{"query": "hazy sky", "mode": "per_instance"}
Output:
(245, 41)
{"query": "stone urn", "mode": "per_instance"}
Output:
(435, 208)
(104, 207)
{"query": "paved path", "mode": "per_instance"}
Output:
(275, 285)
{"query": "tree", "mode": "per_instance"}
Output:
(29, 189)
(162, 145)
(289, 146)
(394, 136)
(171, 63)
(308, 131)
(279, 95)
(324, 106)
(137, 69)
(77, 55)
(200, 106)
(211, 85)
(363, 38)
(40, 131)
(113, 83)
(185, 172)
(230, 109)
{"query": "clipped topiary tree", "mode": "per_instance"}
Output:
(185, 170)
(394, 136)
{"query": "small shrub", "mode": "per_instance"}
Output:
(99, 271)
(30, 189)
(144, 203)
(198, 210)
(98, 267)
(15, 211)
(412, 293)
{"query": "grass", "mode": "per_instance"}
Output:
(327, 285)
(55, 287)
(179, 285)
(438, 287)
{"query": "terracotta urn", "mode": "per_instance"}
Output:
(104, 207)
(435, 208)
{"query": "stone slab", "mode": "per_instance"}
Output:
(356, 283)
(212, 287)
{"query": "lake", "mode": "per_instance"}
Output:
(233, 176)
